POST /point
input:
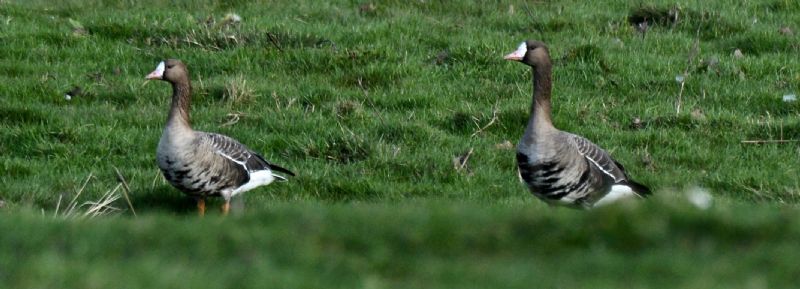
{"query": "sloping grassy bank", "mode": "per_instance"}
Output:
(411, 245)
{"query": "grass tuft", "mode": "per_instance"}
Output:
(339, 149)
(103, 206)
(348, 108)
(237, 91)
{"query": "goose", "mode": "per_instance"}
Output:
(558, 167)
(202, 164)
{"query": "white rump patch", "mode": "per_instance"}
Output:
(618, 192)
(257, 179)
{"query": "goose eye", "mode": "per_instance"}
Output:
(170, 66)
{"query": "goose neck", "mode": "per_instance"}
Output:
(542, 87)
(181, 100)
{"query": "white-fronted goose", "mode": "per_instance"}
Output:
(560, 167)
(204, 164)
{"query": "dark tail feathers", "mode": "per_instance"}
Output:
(640, 189)
(274, 167)
(277, 168)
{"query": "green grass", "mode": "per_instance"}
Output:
(369, 105)
(411, 245)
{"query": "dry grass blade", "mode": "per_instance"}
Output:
(460, 162)
(693, 52)
(233, 118)
(58, 205)
(72, 206)
(274, 40)
(766, 141)
(155, 179)
(491, 122)
(103, 205)
(127, 191)
(505, 145)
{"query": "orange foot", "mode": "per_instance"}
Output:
(201, 206)
(226, 207)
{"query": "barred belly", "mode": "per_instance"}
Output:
(550, 181)
(192, 181)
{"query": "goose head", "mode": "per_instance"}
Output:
(530, 52)
(170, 70)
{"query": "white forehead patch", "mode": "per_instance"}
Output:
(522, 49)
(160, 69)
(158, 73)
(518, 54)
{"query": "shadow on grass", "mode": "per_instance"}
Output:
(11, 115)
(707, 24)
(163, 199)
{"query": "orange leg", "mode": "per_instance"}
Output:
(226, 207)
(201, 206)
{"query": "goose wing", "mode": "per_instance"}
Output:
(600, 159)
(238, 154)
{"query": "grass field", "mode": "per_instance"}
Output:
(370, 103)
